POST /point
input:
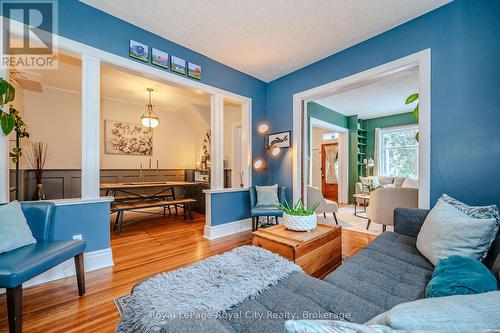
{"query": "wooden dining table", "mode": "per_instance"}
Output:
(133, 196)
(131, 188)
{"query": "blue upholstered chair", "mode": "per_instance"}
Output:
(267, 211)
(20, 265)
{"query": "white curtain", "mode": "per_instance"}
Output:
(376, 153)
(331, 152)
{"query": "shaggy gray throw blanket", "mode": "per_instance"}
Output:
(213, 285)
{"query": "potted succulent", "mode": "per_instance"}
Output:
(297, 216)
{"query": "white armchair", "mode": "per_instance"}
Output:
(383, 201)
(314, 195)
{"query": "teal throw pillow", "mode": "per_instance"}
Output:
(14, 230)
(457, 275)
(267, 195)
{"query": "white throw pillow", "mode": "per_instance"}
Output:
(267, 195)
(447, 231)
(409, 183)
(14, 230)
(371, 180)
(450, 314)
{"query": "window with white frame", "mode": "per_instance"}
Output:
(399, 152)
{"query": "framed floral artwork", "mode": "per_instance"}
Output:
(121, 138)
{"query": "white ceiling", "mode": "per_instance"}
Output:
(267, 38)
(382, 97)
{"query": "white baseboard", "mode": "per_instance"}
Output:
(227, 229)
(92, 260)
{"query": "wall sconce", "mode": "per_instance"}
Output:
(263, 129)
(259, 164)
(275, 151)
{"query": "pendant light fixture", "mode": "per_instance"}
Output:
(148, 118)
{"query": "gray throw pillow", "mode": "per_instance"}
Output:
(267, 195)
(14, 230)
(448, 231)
(449, 314)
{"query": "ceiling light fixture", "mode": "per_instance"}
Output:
(148, 118)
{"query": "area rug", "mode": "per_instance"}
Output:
(121, 301)
(210, 286)
(348, 221)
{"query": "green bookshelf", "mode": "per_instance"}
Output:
(362, 144)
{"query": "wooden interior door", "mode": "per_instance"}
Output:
(330, 191)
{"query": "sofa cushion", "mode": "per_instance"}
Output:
(387, 272)
(14, 230)
(398, 181)
(448, 231)
(458, 275)
(409, 183)
(459, 313)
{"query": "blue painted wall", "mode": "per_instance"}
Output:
(465, 72)
(229, 207)
(89, 220)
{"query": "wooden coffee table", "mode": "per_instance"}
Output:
(318, 251)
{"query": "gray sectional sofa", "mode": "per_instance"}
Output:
(387, 272)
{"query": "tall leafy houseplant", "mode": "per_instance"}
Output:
(11, 120)
(412, 98)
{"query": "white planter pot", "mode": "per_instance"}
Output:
(300, 223)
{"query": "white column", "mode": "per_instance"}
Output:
(91, 68)
(246, 144)
(217, 144)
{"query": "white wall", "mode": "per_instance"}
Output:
(232, 115)
(173, 139)
(54, 116)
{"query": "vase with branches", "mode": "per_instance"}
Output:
(36, 156)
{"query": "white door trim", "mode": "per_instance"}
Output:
(343, 143)
(421, 59)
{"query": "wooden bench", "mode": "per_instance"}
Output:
(120, 207)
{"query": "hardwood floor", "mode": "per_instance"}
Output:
(143, 249)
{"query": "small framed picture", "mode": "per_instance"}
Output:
(138, 51)
(159, 58)
(194, 71)
(281, 139)
(178, 65)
